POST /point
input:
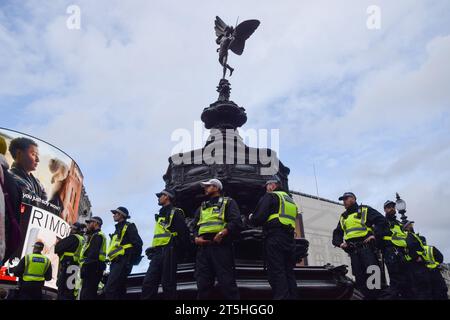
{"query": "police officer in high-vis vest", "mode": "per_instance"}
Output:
(92, 259)
(170, 238)
(216, 223)
(395, 256)
(277, 213)
(69, 251)
(422, 260)
(123, 252)
(359, 228)
(33, 270)
(419, 276)
(433, 259)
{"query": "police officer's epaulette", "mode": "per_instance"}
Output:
(360, 207)
(180, 211)
(206, 203)
(223, 200)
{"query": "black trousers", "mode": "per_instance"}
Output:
(399, 287)
(162, 270)
(361, 258)
(30, 290)
(116, 285)
(279, 249)
(419, 277)
(89, 285)
(64, 292)
(216, 261)
(438, 286)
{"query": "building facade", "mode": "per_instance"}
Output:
(320, 217)
(84, 207)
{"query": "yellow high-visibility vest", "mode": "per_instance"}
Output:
(36, 265)
(116, 248)
(398, 237)
(212, 218)
(429, 257)
(287, 210)
(162, 235)
(354, 225)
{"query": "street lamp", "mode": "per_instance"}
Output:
(400, 205)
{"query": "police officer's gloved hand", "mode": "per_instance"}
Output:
(369, 239)
(200, 241)
(150, 252)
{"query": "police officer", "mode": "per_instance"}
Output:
(357, 231)
(68, 251)
(216, 222)
(170, 237)
(419, 276)
(124, 250)
(33, 270)
(434, 258)
(277, 213)
(395, 256)
(92, 259)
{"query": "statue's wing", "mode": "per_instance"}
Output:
(220, 27)
(242, 32)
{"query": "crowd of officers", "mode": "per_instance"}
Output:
(362, 232)
(217, 222)
(371, 239)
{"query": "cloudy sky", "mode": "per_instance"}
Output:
(370, 108)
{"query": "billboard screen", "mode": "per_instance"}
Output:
(51, 186)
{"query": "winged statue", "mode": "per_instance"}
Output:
(229, 38)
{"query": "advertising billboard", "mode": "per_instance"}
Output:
(50, 185)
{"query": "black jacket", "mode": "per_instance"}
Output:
(178, 225)
(28, 183)
(68, 244)
(232, 219)
(130, 236)
(267, 205)
(20, 269)
(375, 220)
(33, 188)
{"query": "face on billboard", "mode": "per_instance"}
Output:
(50, 185)
(28, 158)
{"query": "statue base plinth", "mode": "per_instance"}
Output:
(224, 115)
